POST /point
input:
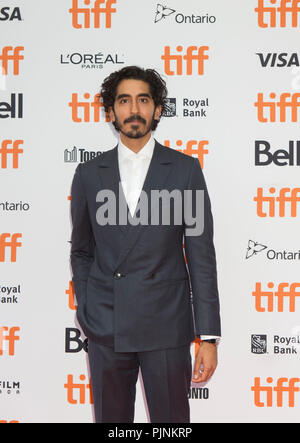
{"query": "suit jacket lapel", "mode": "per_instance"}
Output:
(156, 178)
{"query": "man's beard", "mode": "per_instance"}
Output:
(135, 132)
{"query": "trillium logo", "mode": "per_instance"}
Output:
(254, 248)
(162, 12)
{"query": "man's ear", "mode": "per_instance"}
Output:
(111, 114)
(157, 112)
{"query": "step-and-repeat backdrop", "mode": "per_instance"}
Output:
(232, 70)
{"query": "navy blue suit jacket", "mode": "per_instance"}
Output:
(135, 291)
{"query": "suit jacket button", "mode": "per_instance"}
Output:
(117, 275)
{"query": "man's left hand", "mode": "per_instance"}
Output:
(205, 362)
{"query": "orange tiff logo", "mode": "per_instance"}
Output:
(194, 148)
(274, 395)
(8, 335)
(78, 390)
(14, 151)
(276, 15)
(11, 54)
(285, 291)
(96, 11)
(276, 110)
(266, 205)
(193, 54)
(9, 241)
(82, 110)
(71, 296)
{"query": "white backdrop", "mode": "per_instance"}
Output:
(43, 48)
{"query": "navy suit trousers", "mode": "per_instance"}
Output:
(166, 376)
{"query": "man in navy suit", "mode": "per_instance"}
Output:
(143, 298)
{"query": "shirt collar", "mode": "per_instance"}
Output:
(145, 152)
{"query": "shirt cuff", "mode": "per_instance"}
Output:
(208, 337)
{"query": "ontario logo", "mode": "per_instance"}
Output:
(163, 11)
(254, 248)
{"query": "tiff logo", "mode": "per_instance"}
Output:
(14, 151)
(11, 54)
(283, 385)
(94, 11)
(11, 244)
(283, 199)
(276, 15)
(82, 110)
(285, 291)
(193, 54)
(286, 101)
(194, 148)
(80, 389)
(71, 296)
(8, 335)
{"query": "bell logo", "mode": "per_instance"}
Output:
(287, 100)
(85, 107)
(285, 291)
(193, 54)
(96, 11)
(12, 109)
(81, 389)
(284, 385)
(8, 335)
(194, 148)
(281, 9)
(14, 151)
(11, 54)
(286, 196)
(12, 244)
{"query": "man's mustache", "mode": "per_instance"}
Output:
(135, 118)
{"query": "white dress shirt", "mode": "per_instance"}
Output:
(133, 169)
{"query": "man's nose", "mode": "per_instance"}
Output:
(134, 107)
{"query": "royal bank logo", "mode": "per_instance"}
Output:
(170, 107)
(186, 107)
(279, 345)
(163, 11)
(258, 344)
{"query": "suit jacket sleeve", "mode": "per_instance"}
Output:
(82, 239)
(201, 261)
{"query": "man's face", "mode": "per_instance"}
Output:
(134, 109)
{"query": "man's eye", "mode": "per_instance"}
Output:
(124, 100)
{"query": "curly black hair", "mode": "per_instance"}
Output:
(157, 86)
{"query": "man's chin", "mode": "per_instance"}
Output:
(135, 134)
